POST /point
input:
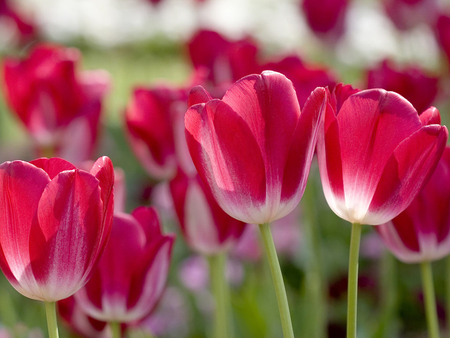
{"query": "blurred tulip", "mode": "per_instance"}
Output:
(253, 148)
(407, 14)
(412, 83)
(132, 273)
(155, 126)
(24, 28)
(304, 77)
(79, 322)
(56, 220)
(375, 152)
(326, 18)
(206, 227)
(442, 31)
(225, 61)
(422, 232)
(56, 103)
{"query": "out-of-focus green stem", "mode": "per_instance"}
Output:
(430, 299)
(278, 282)
(222, 325)
(315, 324)
(352, 298)
(447, 286)
(50, 311)
(388, 283)
(115, 329)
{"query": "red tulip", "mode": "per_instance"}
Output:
(411, 82)
(326, 18)
(79, 322)
(154, 120)
(56, 103)
(132, 273)
(56, 220)
(422, 232)
(25, 29)
(225, 61)
(304, 77)
(253, 147)
(407, 14)
(206, 227)
(375, 152)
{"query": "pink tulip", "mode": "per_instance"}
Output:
(56, 103)
(206, 227)
(422, 232)
(442, 31)
(24, 28)
(154, 120)
(225, 61)
(132, 273)
(305, 77)
(56, 220)
(375, 152)
(411, 82)
(326, 18)
(407, 14)
(79, 322)
(254, 147)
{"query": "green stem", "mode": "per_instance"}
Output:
(352, 297)
(221, 292)
(430, 300)
(277, 280)
(50, 310)
(447, 285)
(115, 329)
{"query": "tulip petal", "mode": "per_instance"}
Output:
(228, 157)
(407, 170)
(21, 186)
(372, 123)
(53, 166)
(70, 218)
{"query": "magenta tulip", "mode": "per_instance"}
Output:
(254, 147)
(132, 273)
(411, 82)
(407, 14)
(422, 232)
(55, 220)
(154, 120)
(55, 102)
(206, 227)
(326, 18)
(375, 152)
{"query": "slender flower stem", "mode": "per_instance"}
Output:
(277, 280)
(352, 297)
(447, 285)
(430, 300)
(221, 292)
(50, 310)
(115, 329)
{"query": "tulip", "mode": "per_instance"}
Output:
(326, 18)
(132, 273)
(305, 77)
(24, 28)
(56, 103)
(224, 61)
(411, 82)
(206, 227)
(442, 32)
(154, 121)
(407, 14)
(56, 220)
(254, 149)
(375, 153)
(421, 233)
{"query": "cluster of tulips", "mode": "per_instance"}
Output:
(235, 146)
